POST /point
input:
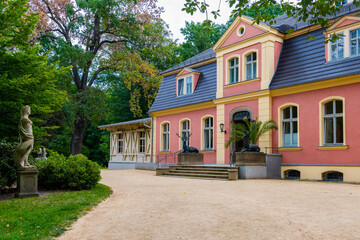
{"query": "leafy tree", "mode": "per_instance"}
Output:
(199, 37)
(92, 37)
(315, 12)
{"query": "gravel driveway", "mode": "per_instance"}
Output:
(144, 206)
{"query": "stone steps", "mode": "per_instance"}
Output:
(197, 175)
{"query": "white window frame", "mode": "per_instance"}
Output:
(165, 137)
(209, 133)
(189, 85)
(142, 142)
(120, 143)
(291, 121)
(357, 41)
(338, 42)
(253, 66)
(235, 69)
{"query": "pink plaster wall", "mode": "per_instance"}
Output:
(252, 104)
(277, 50)
(195, 129)
(247, 87)
(250, 31)
(346, 22)
(309, 126)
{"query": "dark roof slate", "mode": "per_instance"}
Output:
(204, 91)
(303, 61)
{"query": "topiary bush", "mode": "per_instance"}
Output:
(7, 164)
(73, 173)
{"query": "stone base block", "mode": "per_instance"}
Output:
(161, 171)
(250, 159)
(190, 159)
(273, 164)
(246, 172)
(27, 184)
(233, 174)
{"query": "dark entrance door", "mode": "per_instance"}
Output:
(238, 118)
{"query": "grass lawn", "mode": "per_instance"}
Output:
(47, 216)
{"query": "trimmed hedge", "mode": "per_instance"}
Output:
(7, 164)
(74, 173)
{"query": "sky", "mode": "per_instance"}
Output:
(176, 18)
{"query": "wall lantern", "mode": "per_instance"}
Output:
(222, 128)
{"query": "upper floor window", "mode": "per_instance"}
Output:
(185, 87)
(290, 126)
(121, 142)
(142, 142)
(251, 66)
(355, 42)
(208, 133)
(234, 70)
(165, 137)
(333, 122)
(185, 131)
(337, 48)
(342, 2)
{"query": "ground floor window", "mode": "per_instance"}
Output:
(165, 136)
(185, 131)
(208, 133)
(292, 174)
(290, 126)
(333, 176)
(333, 123)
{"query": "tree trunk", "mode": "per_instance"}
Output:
(77, 137)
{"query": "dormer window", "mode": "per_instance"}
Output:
(355, 42)
(186, 81)
(185, 89)
(189, 85)
(337, 48)
(234, 70)
(180, 86)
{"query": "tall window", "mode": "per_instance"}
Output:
(290, 126)
(166, 132)
(337, 48)
(251, 70)
(189, 85)
(234, 70)
(180, 87)
(121, 142)
(142, 142)
(208, 133)
(333, 123)
(355, 42)
(185, 131)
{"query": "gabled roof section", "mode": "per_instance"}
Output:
(346, 20)
(236, 23)
(186, 71)
(127, 123)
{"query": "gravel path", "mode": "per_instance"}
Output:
(144, 206)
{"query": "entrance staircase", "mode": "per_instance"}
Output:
(206, 172)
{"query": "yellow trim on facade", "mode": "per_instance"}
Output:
(265, 107)
(308, 172)
(202, 131)
(190, 66)
(227, 74)
(282, 149)
(220, 77)
(243, 66)
(302, 31)
(164, 152)
(280, 125)
(220, 141)
(161, 135)
(316, 86)
(180, 130)
(207, 151)
(332, 147)
(243, 97)
(241, 83)
(153, 132)
(187, 108)
(267, 60)
(321, 118)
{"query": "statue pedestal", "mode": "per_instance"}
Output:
(27, 183)
(190, 159)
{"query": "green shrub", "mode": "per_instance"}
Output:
(75, 172)
(7, 164)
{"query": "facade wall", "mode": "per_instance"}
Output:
(196, 118)
(309, 127)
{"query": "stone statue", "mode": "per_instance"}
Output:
(186, 148)
(26, 140)
(41, 154)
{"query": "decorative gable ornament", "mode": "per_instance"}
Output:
(343, 23)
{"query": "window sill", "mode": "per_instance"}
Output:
(343, 147)
(289, 148)
(207, 151)
(164, 152)
(241, 83)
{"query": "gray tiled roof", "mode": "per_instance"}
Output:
(204, 91)
(303, 61)
(144, 120)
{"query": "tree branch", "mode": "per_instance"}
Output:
(94, 76)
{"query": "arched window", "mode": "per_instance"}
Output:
(290, 126)
(333, 122)
(185, 130)
(165, 137)
(208, 133)
(333, 176)
(234, 70)
(292, 174)
(251, 66)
